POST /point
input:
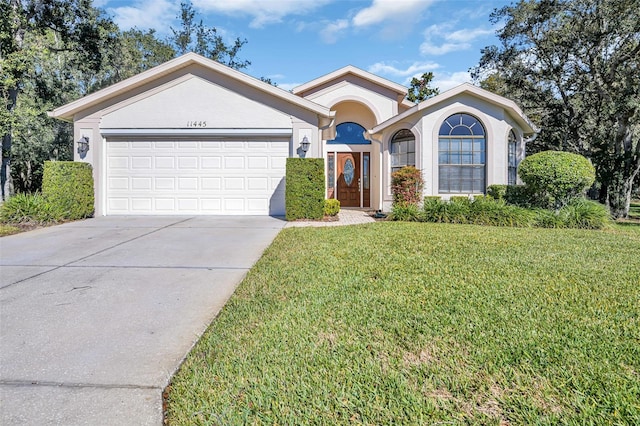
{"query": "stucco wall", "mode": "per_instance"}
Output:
(382, 106)
(194, 102)
(175, 101)
(426, 125)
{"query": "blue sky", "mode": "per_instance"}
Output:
(295, 41)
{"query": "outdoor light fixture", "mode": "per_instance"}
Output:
(304, 145)
(83, 145)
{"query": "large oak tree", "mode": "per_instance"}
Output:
(574, 66)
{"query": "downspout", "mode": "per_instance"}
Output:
(530, 139)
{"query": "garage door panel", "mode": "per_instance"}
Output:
(196, 177)
(141, 183)
(164, 183)
(188, 163)
(167, 205)
(139, 204)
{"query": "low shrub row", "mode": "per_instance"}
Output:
(67, 194)
(484, 210)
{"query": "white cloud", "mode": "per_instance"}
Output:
(332, 31)
(413, 70)
(428, 48)
(439, 39)
(468, 34)
(390, 10)
(264, 12)
(157, 14)
(446, 81)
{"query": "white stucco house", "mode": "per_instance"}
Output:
(192, 136)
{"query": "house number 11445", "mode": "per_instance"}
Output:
(196, 124)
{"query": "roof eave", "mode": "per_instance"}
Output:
(350, 69)
(68, 111)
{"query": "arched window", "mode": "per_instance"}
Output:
(461, 155)
(512, 158)
(350, 133)
(403, 149)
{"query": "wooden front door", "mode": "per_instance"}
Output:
(348, 182)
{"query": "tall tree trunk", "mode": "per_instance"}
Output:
(619, 195)
(626, 167)
(5, 171)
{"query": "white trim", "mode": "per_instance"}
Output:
(67, 111)
(523, 121)
(285, 132)
(350, 69)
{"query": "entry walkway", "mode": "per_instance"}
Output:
(345, 217)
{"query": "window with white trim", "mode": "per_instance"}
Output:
(402, 149)
(512, 157)
(461, 155)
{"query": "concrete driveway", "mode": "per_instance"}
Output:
(96, 315)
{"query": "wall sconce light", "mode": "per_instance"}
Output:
(305, 144)
(83, 145)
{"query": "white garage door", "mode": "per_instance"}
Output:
(196, 177)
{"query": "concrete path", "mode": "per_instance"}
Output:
(95, 316)
(345, 217)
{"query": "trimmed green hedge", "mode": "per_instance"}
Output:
(304, 190)
(562, 176)
(68, 187)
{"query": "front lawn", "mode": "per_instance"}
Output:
(417, 323)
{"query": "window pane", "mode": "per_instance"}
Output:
(331, 170)
(443, 158)
(469, 121)
(477, 158)
(411, 159)
(466, 173)
(444, 129)
(467, 145)
(466, 186)
(461, 131)
(466, 158)
(443, 144)
(454, 158)
(455, 145)
(349, 133)
(365, 171)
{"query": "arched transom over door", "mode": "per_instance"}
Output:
(352, 166)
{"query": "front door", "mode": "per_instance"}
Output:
(349, 182)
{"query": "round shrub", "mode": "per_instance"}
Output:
(331, 207)
(562, 176)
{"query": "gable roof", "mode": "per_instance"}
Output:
(350, 69)
(523, 121)
(67, 112)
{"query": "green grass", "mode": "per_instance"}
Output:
(8, 230)
(414, 323)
